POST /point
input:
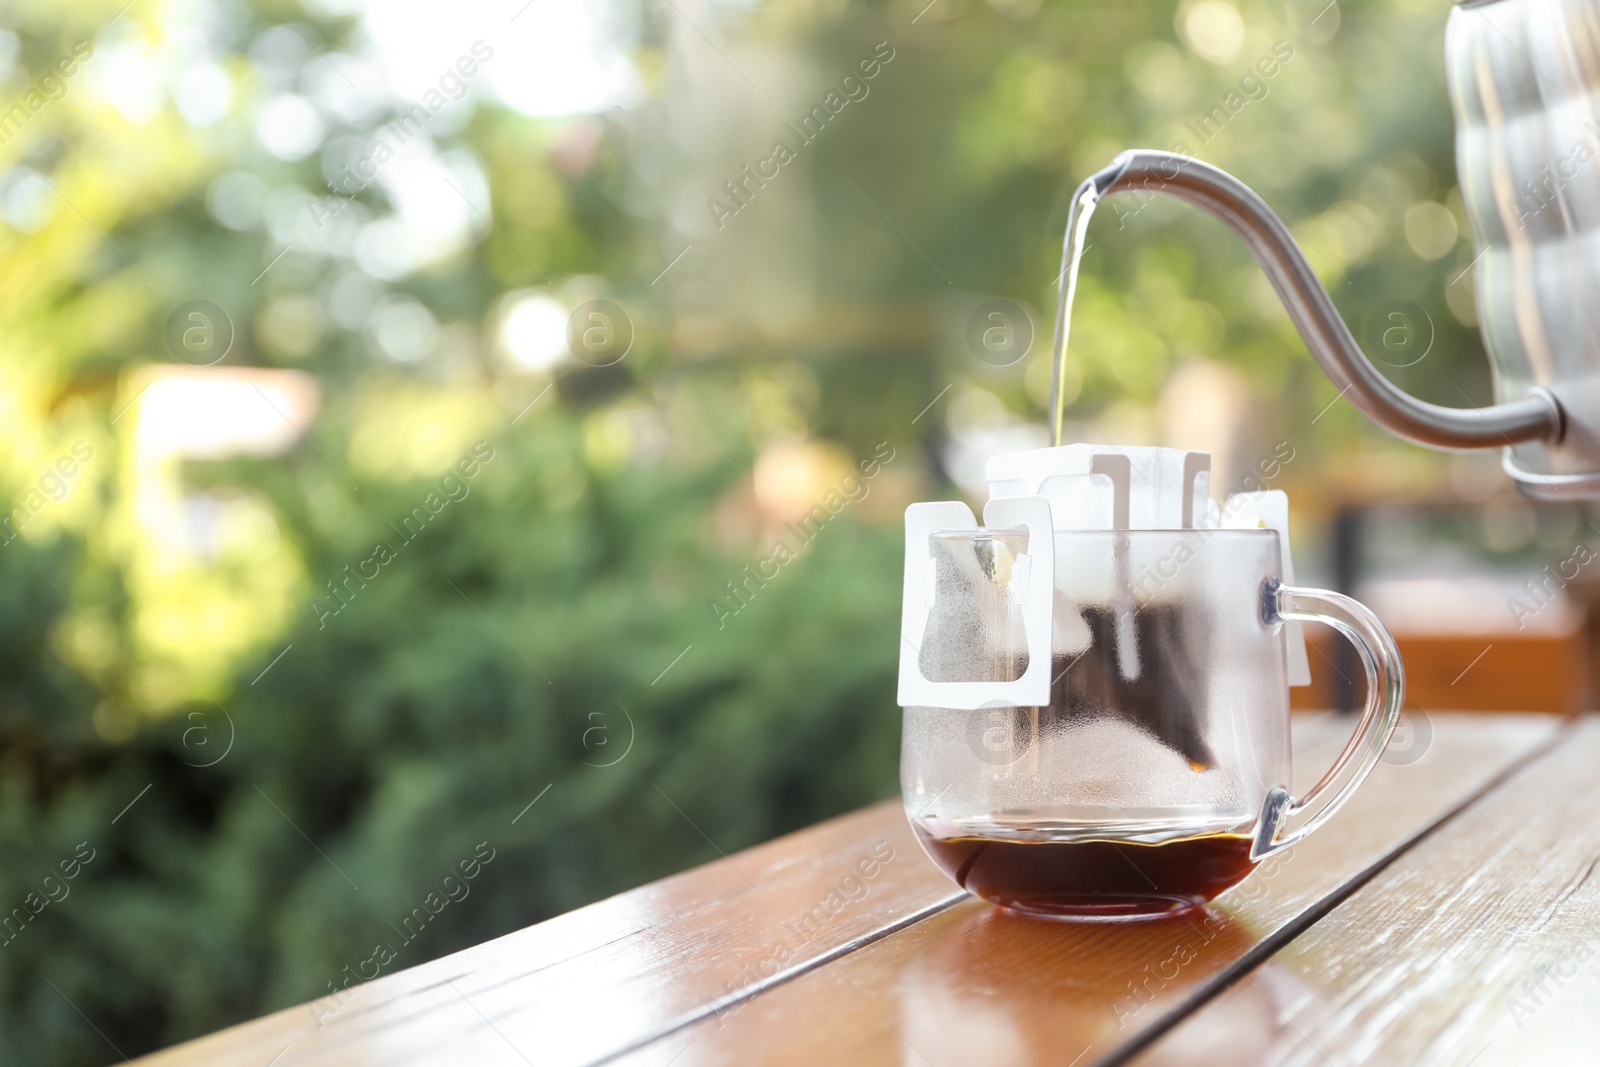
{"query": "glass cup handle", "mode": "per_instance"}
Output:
(1386, 689)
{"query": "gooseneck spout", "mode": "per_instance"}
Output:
(1536, 417)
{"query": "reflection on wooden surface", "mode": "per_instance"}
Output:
(1086, 983)
(620, 971)
(1057, 989)
(842, 944)
(1481, 945)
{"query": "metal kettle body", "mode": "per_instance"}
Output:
(1524, 79)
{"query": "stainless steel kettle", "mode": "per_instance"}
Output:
(1524, 80)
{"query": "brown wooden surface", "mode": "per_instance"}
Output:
(1538, 672)
(1474, 672)
(598, 979)
(1033, 992)
(720, 965)
(1481, 946)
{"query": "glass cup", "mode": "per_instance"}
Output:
(1159, 774)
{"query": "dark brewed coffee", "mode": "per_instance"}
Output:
(1104, 879)
(1146, 668)
(1162, 697)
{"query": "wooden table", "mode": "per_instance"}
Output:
(1449, 915)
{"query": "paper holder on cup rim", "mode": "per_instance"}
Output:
(1074, 487)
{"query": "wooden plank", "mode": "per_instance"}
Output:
(618, 973)
(624, 967)
(973, 984)
(1500, 672)
(1530, 672)
(1481, 945)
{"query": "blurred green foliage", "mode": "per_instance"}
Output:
(560, 613)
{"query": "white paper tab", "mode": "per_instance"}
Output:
(1270, 510)
(1031, 584)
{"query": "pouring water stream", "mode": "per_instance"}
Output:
(1083, 205)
